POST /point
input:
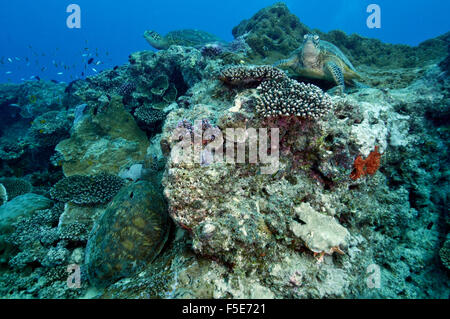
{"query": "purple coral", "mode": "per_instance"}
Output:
(212, 50)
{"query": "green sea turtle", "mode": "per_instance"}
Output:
(318, 59)
(128, 235)
(188, 37)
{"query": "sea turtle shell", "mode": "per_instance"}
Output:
(190, 37)
(328, 49)
(128, 236)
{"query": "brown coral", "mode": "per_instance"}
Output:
(363, 167)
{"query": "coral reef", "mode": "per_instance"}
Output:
(275, 32)
(112, 199)
(87, 190)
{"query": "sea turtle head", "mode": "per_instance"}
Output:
(154, 39)
(311, 50)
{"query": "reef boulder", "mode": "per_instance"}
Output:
(104, 142)
(23, 205)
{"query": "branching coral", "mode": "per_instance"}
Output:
(241, 75)
(15, 187)
(148, 117)
(444, 253)
(87, 190)
(3, 195)
(289, 97)
(368, 166)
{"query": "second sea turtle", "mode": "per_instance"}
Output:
(187, 37)
(318, 59)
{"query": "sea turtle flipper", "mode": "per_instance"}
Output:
(286, 63)
(336, 74)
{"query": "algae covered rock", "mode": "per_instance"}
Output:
(319, 232)
(76, 222)
(128, 236)
(22, 205)
(103, 143)
(272, 32)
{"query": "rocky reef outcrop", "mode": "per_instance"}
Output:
(208, 173)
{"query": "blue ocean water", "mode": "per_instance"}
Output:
(36, 41)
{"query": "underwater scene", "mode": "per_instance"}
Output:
(224, 150)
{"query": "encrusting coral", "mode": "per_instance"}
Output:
(368, 166)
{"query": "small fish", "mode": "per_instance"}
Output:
(54, 81)
(15, 105)
(90, 60)
(17, 59)
(10, 60)
(37, 78)
(85, 55)
(32, 99)
(59, 73)
(43, 69)
(98, 63)
(8, 72)
(94, 70)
